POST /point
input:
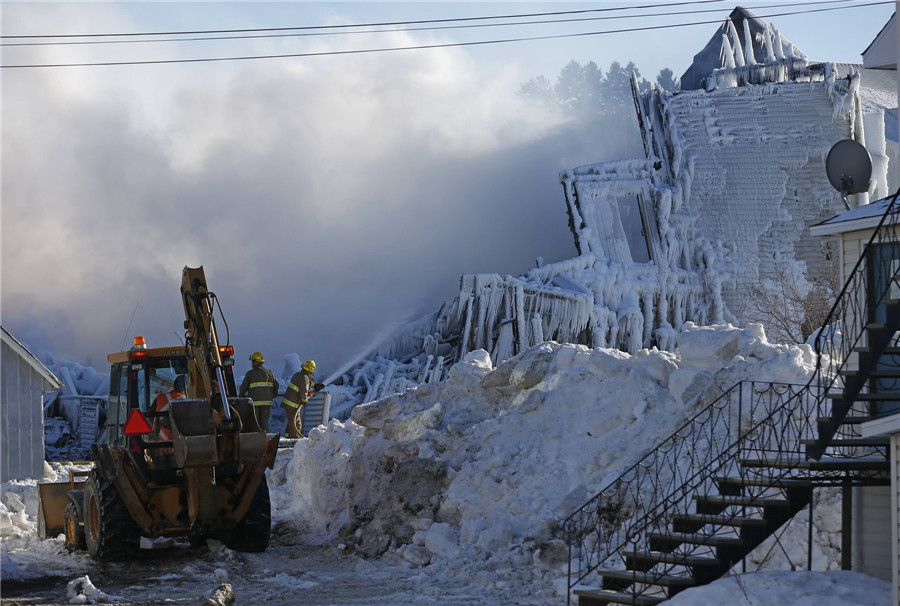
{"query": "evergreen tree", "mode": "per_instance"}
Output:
(667, 80)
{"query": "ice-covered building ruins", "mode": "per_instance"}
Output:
(732, 178)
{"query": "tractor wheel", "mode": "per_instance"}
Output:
(252, 531)
(74, 522)
(109, 531)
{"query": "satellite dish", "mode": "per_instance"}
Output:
(849, 167)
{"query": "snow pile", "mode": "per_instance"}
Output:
(472, 476)
(24, 555)
(799, 588)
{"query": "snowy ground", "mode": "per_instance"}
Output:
(452, 492)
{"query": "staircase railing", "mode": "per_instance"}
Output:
(853, 309)
(762, 421)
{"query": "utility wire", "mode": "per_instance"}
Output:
(359, 25)
(410, 29)
(426, 46)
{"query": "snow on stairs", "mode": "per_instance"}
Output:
(700, 547)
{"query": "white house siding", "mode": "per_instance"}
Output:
(871, 542)
(23, 380)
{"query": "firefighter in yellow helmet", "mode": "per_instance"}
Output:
(301, 387)
(261, 385)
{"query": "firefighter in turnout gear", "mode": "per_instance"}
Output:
(261, 386)
(302, 386)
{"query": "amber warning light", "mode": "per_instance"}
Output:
(137, 424)
(226, 350)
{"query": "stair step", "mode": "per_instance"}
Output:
(716, 520)
(610, 596)
(847, 420)
(720, 499)
(825, 464)
(883, 396)
(649, 578)
(881, 373)
(677, 559)
(785, 483)
(838, 442)
(888, 351)
(712, 540)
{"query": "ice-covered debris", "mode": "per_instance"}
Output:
(471, 476)
(83, 591)
(223, 595)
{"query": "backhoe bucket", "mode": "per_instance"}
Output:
(193, 432)
(52, 504)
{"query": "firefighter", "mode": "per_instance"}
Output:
(261, 385)
(162, 404)
(302, 386)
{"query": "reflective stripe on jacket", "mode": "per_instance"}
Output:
(260, 385)
(299, 389)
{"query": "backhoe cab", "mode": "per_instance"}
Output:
(184, 457)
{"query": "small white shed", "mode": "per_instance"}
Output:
(23, 382)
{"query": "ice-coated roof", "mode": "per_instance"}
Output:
(711, 57)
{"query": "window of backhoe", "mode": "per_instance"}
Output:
(157, 378)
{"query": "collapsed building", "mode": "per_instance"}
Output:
(732, 178)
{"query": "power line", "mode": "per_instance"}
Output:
(427, 46)
(359, 25)
(410, 29)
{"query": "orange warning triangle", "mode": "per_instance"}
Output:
(137, 424)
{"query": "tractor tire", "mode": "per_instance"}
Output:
(74, 522)
(109, 531)
(251, 534)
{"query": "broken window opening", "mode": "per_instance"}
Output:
(632, 221)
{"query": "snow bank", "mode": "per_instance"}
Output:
(799, 588)
(23, 555)
(472, 476)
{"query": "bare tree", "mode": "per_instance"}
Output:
(792, 304)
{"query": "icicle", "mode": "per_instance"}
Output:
(768, 36)
(504, 348)
(749, 59)
(520, 318)
(464, 343)
(438, 371)
(647, 301)
(537, 329)
(727, 55)
(423, 375)
(738, 53)
(778, 44)
(481, 293)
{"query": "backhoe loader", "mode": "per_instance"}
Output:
(188, 463)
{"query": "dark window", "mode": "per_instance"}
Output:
(633, 224)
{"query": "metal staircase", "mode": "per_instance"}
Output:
(727, 480)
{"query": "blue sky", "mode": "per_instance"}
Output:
(330, 199)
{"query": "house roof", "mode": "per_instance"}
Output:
(867, 216)
(29, 358)
(710, 58)
(882, 52)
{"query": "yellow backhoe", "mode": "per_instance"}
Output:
(184, 456)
